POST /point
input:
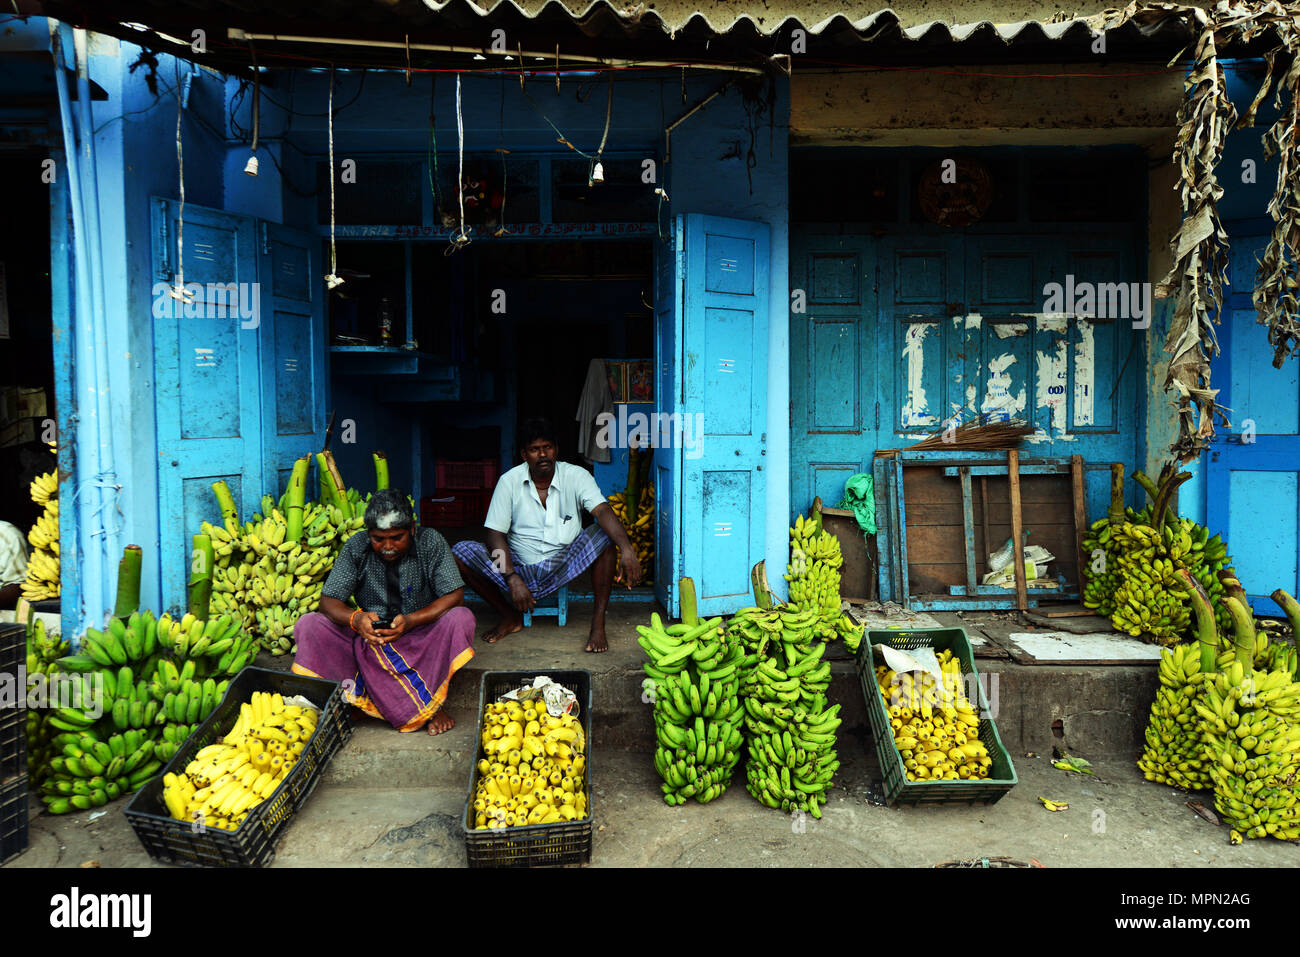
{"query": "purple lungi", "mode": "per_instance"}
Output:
(403, 682)
(545, 577)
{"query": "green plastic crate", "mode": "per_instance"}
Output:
(898, 789)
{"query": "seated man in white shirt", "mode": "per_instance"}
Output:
(536, 542)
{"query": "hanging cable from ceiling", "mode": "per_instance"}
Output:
(505, 173)
(332, 279)
(461, 239)
(597, 171)
(251, 166)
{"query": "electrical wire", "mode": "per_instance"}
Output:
(461, 239)
(332, 279)
(178, 291)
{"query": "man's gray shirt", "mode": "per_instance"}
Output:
(426, 572)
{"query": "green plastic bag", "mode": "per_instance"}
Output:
(860, 498)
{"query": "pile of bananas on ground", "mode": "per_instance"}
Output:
(43, 650)
(227, 780)
(270, 570)
(533, 767)
(790, 730)
(814, 577)
(693, 679)
(641, 529)
(132, 697)
(1173, 752)
(936, 728)
(1252, 746)
(42, 581)
(1133, 559)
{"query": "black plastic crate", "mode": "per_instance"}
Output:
(253, 844)
(898, 789)
(13, 818)
(532, 845)
(13, 715)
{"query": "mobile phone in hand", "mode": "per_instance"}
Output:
(382, 623)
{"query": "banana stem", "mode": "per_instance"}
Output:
(1292, 609)
(690, 614)
(381, 470)
(1160, 511)
(762, 591)
(226, 502)
(297, 498)
(1243, 631)
(333, 493)
(200, 590)
(339, 484)
(128, 582)
(1207, 629)
(1116, 514)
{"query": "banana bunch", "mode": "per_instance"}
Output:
(814, 577)
(227, 780)
(92, 769)
(1174, 753)
(790, 729)
(43, 651)
(1251, 741)
(935, 727)
(693, 678)
(218, 646)
(532, 768)
(42, 581)
(642, 531)
(269, 581)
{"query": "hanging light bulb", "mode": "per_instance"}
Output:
(251, 166)
(597, 174)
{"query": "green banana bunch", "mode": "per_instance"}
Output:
(814, 577)
(789, 728)
(693, 677)
(43, 652)
(1251, 743)
(218, 646)
(267, 580)
(1174, 752)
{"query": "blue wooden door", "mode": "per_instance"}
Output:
(292, 344)
(1252, 471)
(834, 405)
(206, 379)
(725, 266)
(903, 334)
(669, 400)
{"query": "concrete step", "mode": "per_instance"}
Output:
(1093, 711)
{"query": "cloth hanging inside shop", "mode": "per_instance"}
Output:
(595, 400)
(860, 498)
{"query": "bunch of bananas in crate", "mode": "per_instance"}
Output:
(43, 651)
(814, 577)
(271, 580)
(936, 728)
(641, 530)
(533, 767)
(227, 780)
(790, 730)
(42, 581)
(693, 679)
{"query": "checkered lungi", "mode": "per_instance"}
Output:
(545, 577)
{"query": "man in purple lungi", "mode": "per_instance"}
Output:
(536, 542)
(396, 652)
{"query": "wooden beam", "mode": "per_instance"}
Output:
(1017, 527)
(1080, 513)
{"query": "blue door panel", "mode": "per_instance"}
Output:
(206, 374)
(292, 332)
(834, 343)
(669, 400)
(1252, 469)
(724, 268)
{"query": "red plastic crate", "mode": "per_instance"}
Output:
(467, 475)
(469, 507)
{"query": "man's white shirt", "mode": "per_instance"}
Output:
(536, 533)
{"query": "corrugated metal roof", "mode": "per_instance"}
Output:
(645, 29)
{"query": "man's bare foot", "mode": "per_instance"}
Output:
(597, 642)
(440, 722)
(506, 626)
